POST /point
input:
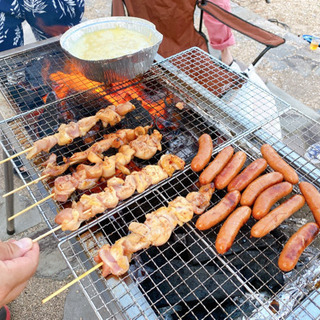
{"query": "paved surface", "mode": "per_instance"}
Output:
(294, 58)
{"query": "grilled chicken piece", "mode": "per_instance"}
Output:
(108, 198)
(44, 144)
(68, 219)
(123, 108)
(108, 116)
(183, 209)
(201, 199)
(87, 176)
(142, 180)
(52, 168)
(64, 186)
(109, 167)
(146, 146)
(86, 124)
(170, 163)
(114, 260)
(156, 173)
(123, 157)
(124, 188)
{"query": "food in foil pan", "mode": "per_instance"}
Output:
(124, 65)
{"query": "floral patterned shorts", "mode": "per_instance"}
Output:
(47, 18)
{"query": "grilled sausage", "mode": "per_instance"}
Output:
(219, 212)
(251, 172)
(277, 216)
(312, 197)
(269, 197)
(232, 168)
(230, 228)
(203, 156)
(278, 164)
(216, 166)
(297, 243)
(257, 186)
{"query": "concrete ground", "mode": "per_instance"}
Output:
(293, 59)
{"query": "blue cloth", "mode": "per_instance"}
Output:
(47, 18)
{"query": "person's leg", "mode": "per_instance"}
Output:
(11, 33)
(54, 17)
(220, 35)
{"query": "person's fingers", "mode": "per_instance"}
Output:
(11, 250)
(22, 268)
(13, 293)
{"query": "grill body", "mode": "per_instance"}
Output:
(185, 278)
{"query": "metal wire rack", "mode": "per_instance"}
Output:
(184, 278)
(215, 101)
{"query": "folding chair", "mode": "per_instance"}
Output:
(175, 20)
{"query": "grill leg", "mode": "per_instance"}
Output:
(8, 186)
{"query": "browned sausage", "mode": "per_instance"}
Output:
(203, 156)
(278, 164)
(219, 212)
(251, 172)
(297, 243)
(216, 166)
(232, 168)
(312, 197)
(230, 228)
(277, 216)
(257, 186)
(269, 197)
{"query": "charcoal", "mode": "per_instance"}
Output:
(197, 275)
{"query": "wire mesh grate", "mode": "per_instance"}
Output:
(183, 97)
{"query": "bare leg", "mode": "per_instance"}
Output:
(226, 56)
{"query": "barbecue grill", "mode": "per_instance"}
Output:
(185, 278)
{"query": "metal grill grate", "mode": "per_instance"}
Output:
(184, 278)
(222, 109)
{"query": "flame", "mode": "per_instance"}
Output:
(71, 80)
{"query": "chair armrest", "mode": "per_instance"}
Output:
(256, 33)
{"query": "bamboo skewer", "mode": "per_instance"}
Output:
(30, 207)
(15, 155)
(46, 234)
(72, 282)
(26, 185)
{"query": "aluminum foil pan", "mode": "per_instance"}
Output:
(118, 69)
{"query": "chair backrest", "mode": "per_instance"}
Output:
(174, 19)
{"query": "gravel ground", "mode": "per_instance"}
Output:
(301, 17)
(292, 19)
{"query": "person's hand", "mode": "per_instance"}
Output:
(18, 262)
(52, 31)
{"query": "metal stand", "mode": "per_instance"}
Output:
(8, 186)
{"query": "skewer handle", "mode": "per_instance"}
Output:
(26, 185)
(46, 234)
(30, 207)
(15, 155)
(72, 282)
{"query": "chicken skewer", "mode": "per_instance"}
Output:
(68, 132)
(86, 176)
(93, 153)
(143, 148)
(117, 189)
(156, 230)
(69, 220)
